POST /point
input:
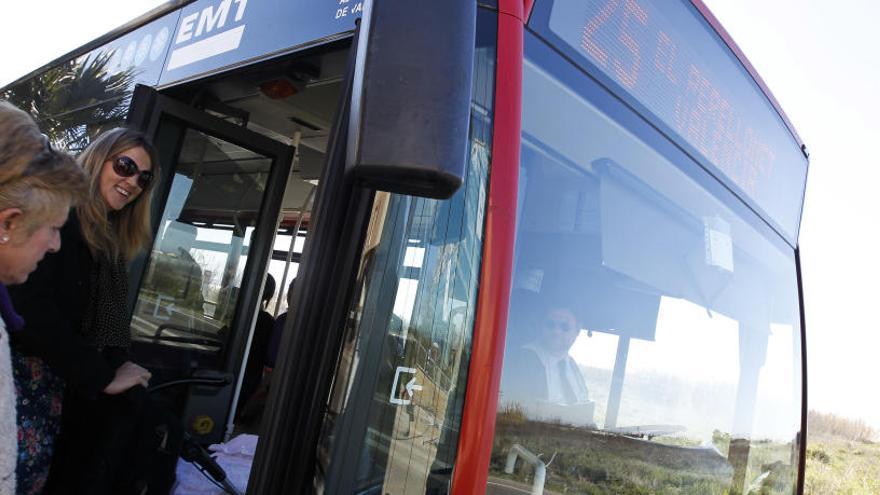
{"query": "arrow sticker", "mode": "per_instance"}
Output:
(411, 386)
(168, 308)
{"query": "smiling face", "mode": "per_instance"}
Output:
(118, 191)
(21, 253)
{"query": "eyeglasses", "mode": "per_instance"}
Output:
(126, 167)
(562, 326)
(47, 143)
(43, 159)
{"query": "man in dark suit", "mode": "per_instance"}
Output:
(541, 376)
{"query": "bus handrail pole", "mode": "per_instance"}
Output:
(296, 230)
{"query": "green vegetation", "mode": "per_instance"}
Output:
(842, 456)
(591, 461)
(76, 100)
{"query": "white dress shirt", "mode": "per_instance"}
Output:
(555, 364)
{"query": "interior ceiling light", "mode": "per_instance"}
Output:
(278, 89)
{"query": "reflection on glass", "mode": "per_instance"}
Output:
(394, 415)
(653, 341)
(189, 294)
(76, 100)
(413, 347)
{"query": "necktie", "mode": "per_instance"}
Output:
(567, 390)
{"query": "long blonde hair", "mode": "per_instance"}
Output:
(118, 234)
(34, 177)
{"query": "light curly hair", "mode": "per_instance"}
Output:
(34, 177)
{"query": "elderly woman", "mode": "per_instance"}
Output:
(38, 186)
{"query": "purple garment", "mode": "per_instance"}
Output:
(14, 321)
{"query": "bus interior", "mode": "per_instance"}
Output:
(184, 321)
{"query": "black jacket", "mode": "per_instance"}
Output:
(106, 442)
(525, 377)
(52, 302)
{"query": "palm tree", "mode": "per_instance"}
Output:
(76, 100)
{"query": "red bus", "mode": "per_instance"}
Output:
(541, 246)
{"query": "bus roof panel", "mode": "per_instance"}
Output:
(183, 39)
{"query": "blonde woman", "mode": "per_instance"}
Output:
(38, 185)
(77, 330)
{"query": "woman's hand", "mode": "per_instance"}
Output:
(128, 375)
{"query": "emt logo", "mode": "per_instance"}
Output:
(207, 27)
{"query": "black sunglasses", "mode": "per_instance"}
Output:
(558, 325)
(43, 158)
(126, 167)
(47, 143)
(43, 162)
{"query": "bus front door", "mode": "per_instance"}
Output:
(197, 290)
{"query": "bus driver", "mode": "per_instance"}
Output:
(541, 375)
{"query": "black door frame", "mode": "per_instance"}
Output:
(166, 121)
(303, 376)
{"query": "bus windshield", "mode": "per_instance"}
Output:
(653, 338)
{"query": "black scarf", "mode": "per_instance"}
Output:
(105, 320)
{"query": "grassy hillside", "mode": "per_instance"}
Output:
(589, 461)
(842, 456)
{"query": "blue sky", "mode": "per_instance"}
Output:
(819, 59)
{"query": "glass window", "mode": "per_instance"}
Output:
(79, 98)
(653, 343)
(190, 290)
(665, 56)
(282, 272)
(76, 100)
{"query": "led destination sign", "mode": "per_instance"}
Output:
(667, 57)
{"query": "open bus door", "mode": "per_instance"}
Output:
(220, 203)
(221, 190)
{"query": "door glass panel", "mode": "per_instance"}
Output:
(394, 415)
(190, 289)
